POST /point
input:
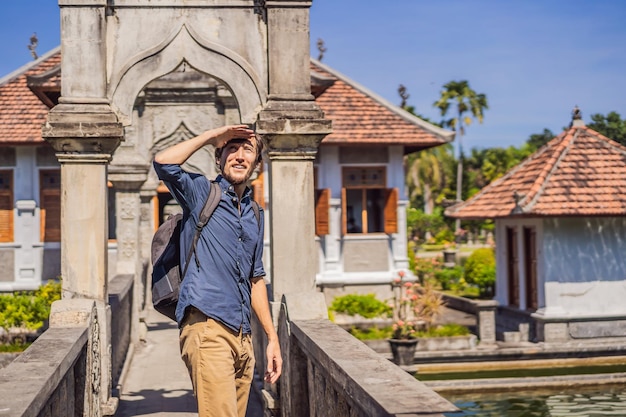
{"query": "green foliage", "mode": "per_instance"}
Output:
(367, 306)
(445, 330)
(14, 347)
(28, 309)
(612, 126)
(376, 333)
(371, 333)
(420, 223)
(449, 278)
(537, 140)
(480, 270)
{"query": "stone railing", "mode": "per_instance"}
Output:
(327, 372)
(60, 373)
(121, 303)
(485, 312)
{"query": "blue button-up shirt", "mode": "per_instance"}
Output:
(229, 251)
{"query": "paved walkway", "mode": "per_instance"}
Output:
(157, 382)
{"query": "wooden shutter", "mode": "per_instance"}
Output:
(512, 266)
(391, 211)
(344, 214)
(530, 263)
(6, 206)
(257, 189)
(322, 207)
(50, 206)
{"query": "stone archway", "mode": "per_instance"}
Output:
(111, 50)
(184, 48)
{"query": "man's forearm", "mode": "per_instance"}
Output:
(260, 306)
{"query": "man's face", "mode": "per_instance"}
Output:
(238, 160)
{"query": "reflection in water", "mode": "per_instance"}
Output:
(580, 403)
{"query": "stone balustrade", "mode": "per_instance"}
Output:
(59, 374)
(51, 377)
(327, 372)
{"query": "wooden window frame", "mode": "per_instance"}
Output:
(49, 232)
(7, 225)
(366, 178)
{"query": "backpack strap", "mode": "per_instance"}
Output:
(257, 213)
(212, 200)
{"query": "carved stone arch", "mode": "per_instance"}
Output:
(185, 46)
(202, 161)
(181, 133)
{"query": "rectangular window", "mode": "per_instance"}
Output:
(50, 205)
(6, 206)
(367, 206)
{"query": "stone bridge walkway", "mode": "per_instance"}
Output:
(156, 383)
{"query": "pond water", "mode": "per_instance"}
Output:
(587, 401)
(596, 402)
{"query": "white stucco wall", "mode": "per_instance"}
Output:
(581, 267)
(585, 266)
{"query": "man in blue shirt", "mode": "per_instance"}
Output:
(224, 281)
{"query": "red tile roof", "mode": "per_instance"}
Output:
(21, 112)
(578, 173)
(360, 117)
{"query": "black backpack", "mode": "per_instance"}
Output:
(166, 272)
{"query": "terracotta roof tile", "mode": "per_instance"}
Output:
(21, 112)
(360, 117)
(580, 172)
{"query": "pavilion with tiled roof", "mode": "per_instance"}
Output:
(560, 229)
(578, 173)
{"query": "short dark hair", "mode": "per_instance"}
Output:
(260, 147)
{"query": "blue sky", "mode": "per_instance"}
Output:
(534, 59)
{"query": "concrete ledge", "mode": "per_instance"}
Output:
(372, 383)
(27, 383)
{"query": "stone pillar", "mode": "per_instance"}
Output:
(83, 42)
(486, 321)
(84, 137)
(127, 181)
(292, 126)
(148, 226)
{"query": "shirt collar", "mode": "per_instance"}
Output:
(228, 188)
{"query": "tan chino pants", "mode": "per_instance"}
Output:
(220, 363)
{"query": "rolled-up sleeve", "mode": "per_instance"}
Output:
(180, 183)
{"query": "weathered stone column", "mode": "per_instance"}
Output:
(127, 181)
(293, 126)
(84, 137)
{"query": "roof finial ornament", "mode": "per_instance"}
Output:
(517, 197)
(577, 117)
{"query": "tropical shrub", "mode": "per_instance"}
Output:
(480, 270)
(367, 306)
(28, 310)
(445, 330)
(449, 278)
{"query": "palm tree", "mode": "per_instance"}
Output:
(466, 100)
